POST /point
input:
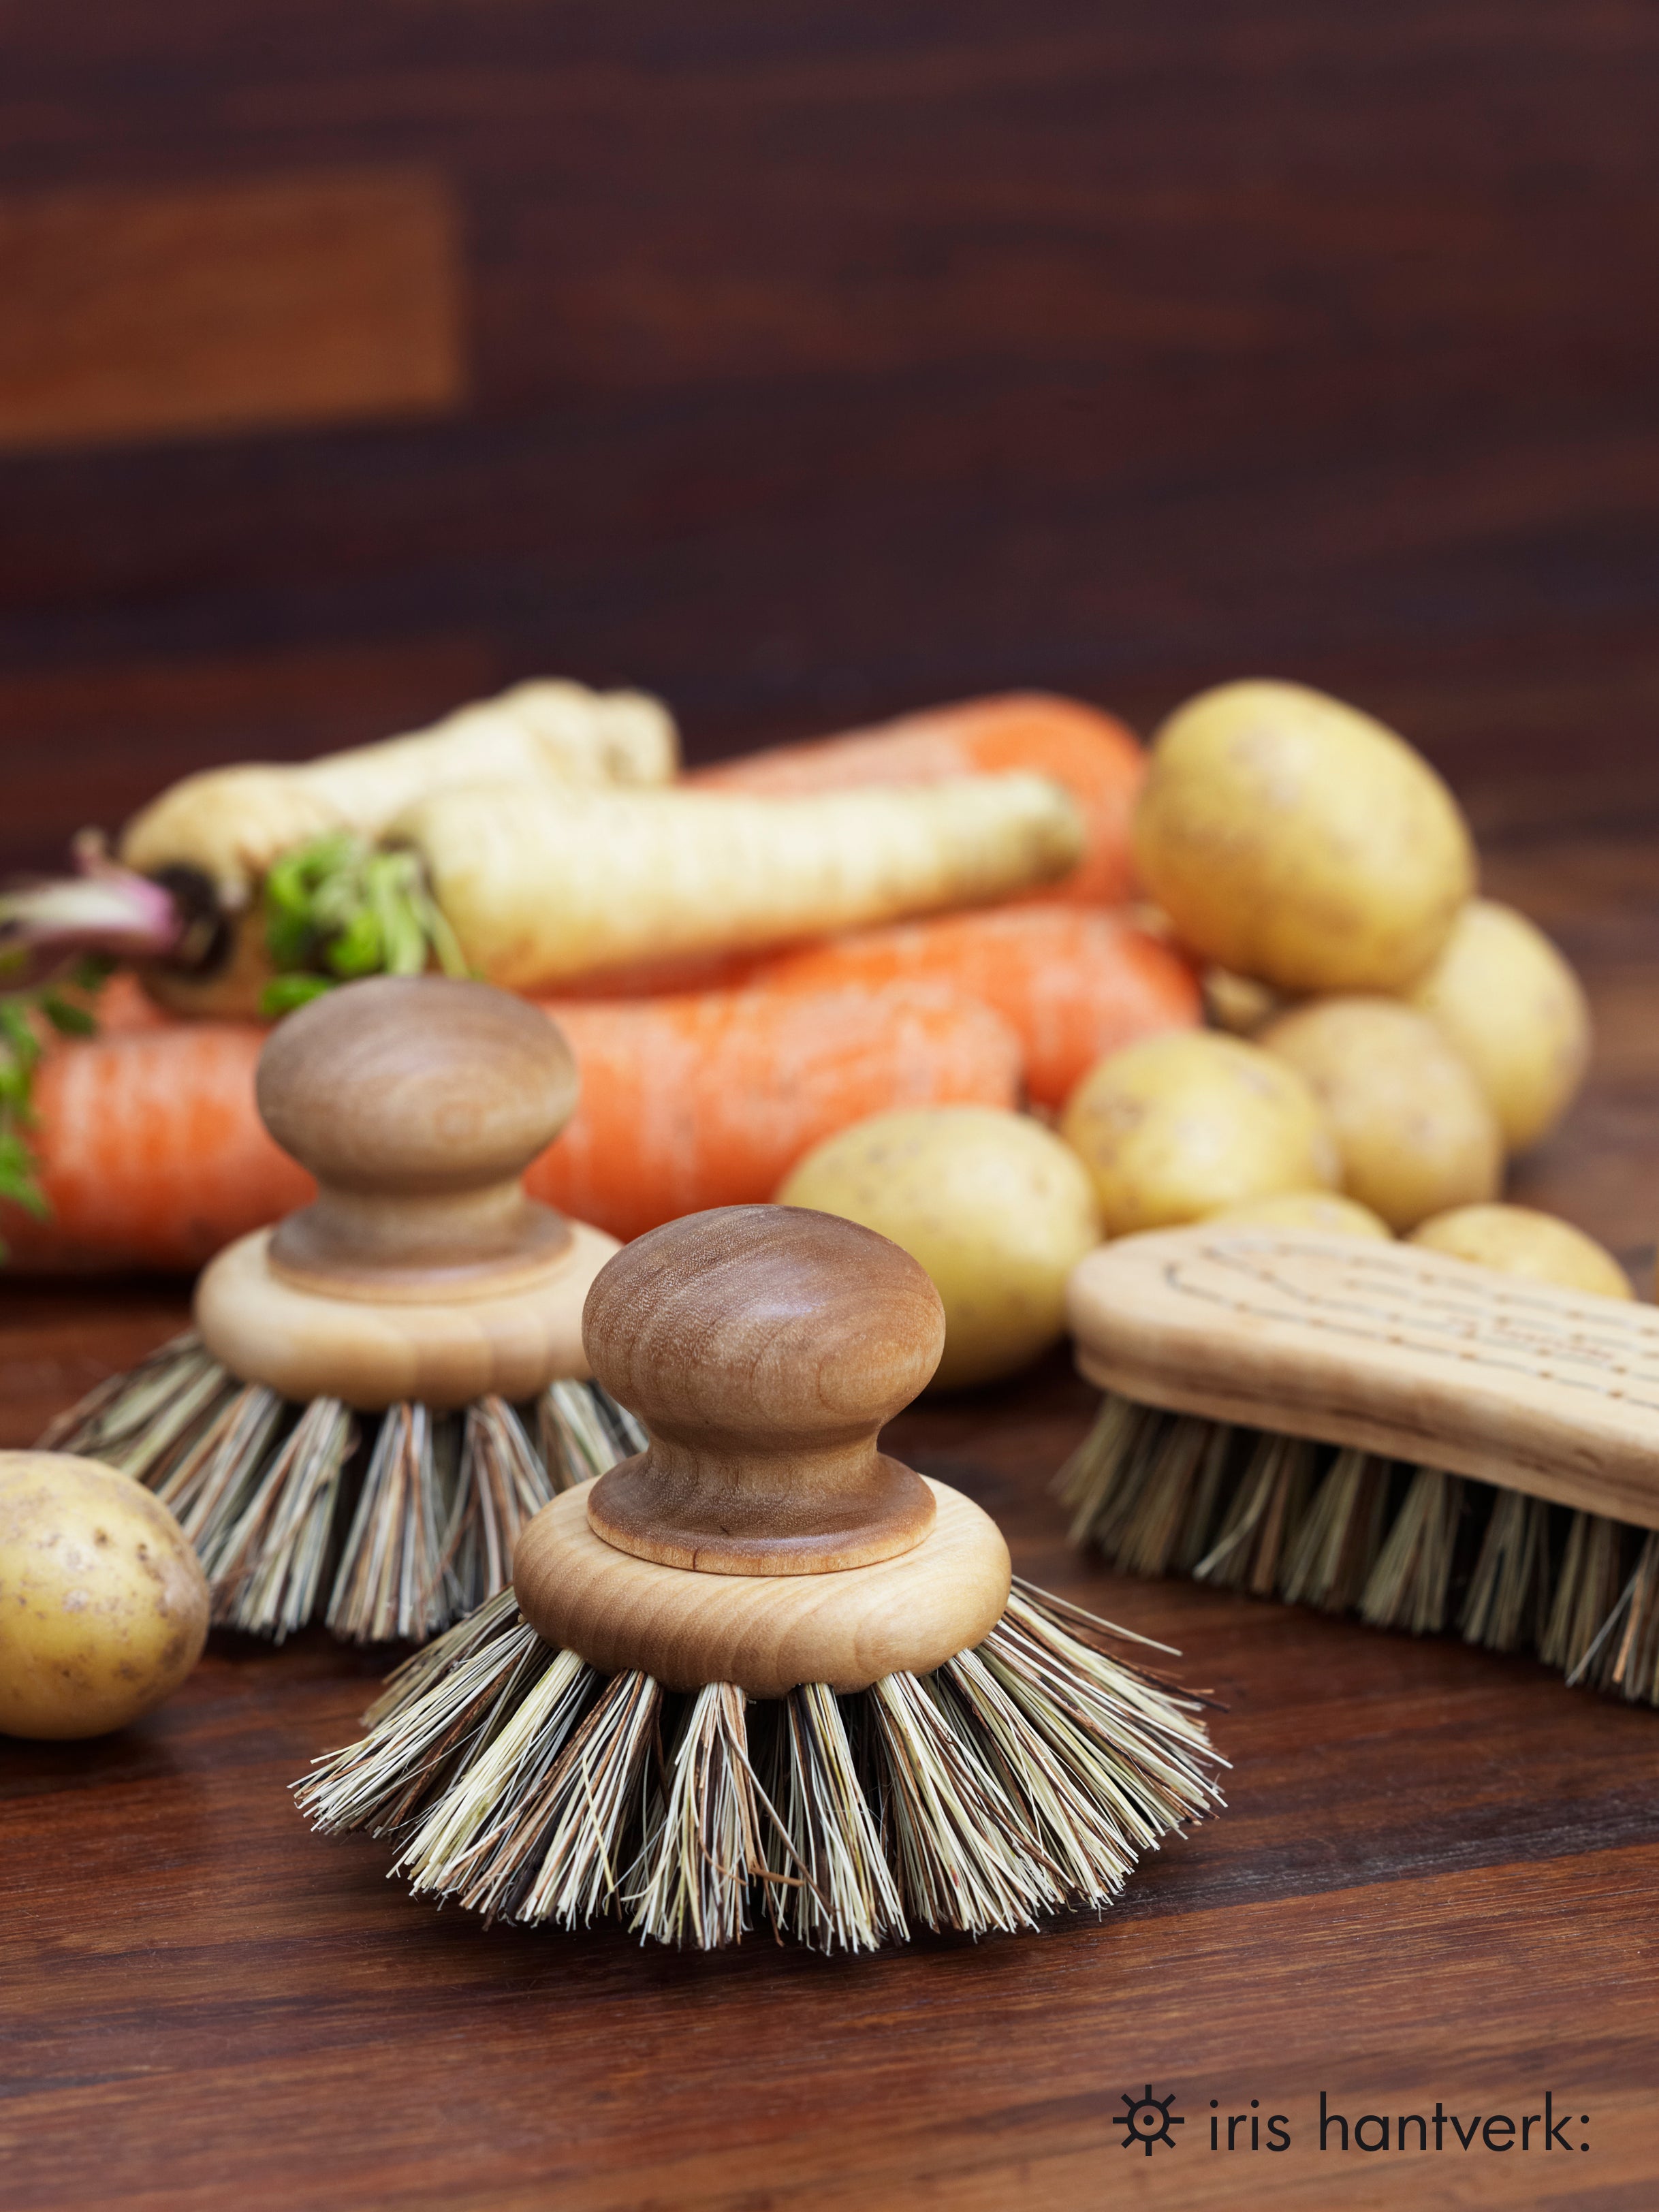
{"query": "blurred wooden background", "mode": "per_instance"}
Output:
(808, 360)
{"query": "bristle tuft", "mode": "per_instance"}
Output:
(1587, 1594)
(1266, 1508)
(836, 1891)
(691, 1882)
(407, 1534)
(1506, 1607)
(1330, 1557)
(1411, 1584)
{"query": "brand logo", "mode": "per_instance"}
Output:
(1148, 2121)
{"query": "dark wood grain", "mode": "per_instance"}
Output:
(302, 299)
(830, 359)
(1435, 1879)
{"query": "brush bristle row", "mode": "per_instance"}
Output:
(391, 1525)
(1022, 1779)
(1344, 1530)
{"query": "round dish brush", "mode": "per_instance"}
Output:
(380, 1393)
(1377, 1428)
(761, 1670)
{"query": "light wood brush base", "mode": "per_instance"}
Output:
(467, 1343)
(766, 1634)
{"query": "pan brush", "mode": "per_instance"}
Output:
(1380, 1429)
(378, 1394)
(761, 1670)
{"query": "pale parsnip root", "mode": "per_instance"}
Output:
(542, 886)
(231, 823)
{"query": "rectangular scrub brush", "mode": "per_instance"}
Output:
(1377, 1428)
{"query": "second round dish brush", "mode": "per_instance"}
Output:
(762, 1672)
(1380, 1429)
(378, 1394)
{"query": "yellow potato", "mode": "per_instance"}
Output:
(103, 1604)
(993, 1205)
(1322, 1210)
(1294, 840)
(1180, 1126)
(1411, 1124)
(1515, 1012)
(1518, 1241)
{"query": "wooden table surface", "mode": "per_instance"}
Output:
(1438, 1877)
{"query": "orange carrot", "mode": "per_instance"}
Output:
(710, 1098)
(1075, 983)
(152, 1153)
(1095, 757)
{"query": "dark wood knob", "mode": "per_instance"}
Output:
(417, 1103)
(762, 1347)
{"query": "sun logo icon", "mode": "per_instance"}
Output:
(1148, 2120)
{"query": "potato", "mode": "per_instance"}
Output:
(1411, 1124)
(1322, 1210)
(1180, 1126)
(1518, 1241)
(1294, 840)
(993, 1205)
(1515, 1012)
(103, 1604)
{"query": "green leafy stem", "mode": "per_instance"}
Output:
(340, 908)
(25, 1017)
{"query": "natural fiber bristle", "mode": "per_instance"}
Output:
(1625, 1654)
(1022, 1779)
(1411, 1584)
(1343, 1530)
(394, 1525)
(839, 1893)
(1329, 1558)
(702, 1854)
(1266, 1508)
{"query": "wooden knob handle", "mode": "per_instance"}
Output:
(417, 1103)
(762, 1347)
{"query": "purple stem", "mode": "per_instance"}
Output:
(105, 909)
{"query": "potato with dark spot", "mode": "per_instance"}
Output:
(1293, 840)
(103, 1604)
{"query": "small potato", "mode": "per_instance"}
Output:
(1518, 1241)
(1411, 1124)
(1179, 1127)
(1294, 840)
(1515, 1012)
(993, 1205)
(1307, 1209)
(103, 1604)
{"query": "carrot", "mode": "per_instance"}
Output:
(152, 1153)
(709, 1099)
(1075, 983)
(1098, 760)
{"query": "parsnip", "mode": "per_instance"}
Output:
(542, 884)
(230, 823)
